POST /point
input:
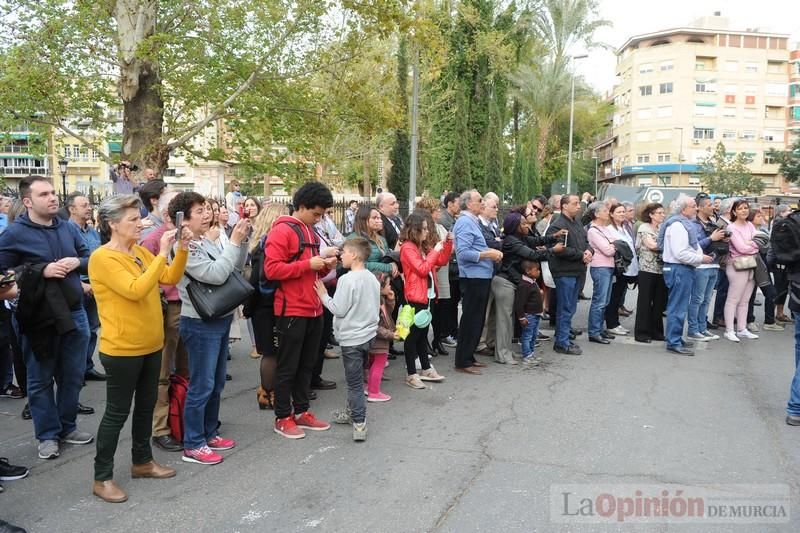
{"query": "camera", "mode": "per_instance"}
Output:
(132, 168)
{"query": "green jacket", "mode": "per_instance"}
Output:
(374, 263)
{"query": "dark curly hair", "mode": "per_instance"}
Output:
(184, 202)
(312, 194)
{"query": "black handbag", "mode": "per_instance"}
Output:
(215, 301)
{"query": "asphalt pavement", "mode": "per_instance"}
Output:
(474, 453)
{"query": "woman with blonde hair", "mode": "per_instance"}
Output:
(259, 309)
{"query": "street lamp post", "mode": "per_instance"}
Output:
(680, 156)
(596, 159)
(62, 166)
(571, 124)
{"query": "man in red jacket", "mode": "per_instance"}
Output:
(295, 263)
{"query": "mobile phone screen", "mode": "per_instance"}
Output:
(179, 221)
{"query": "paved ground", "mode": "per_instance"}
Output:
(470, 454)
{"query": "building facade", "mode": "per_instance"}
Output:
(681, 91)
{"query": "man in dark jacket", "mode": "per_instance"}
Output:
(567, 266)
(390, 211)
(40, 237)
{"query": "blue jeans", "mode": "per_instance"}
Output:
(529, 333)
(353, 358)
(207, 345)
(705, 279)
(680, 281)
(793, 407)
(602, 278)
(54, 412)
(567, 295)
(90, 305)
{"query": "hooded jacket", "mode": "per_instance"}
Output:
(27, 243)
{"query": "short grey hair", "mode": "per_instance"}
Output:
(492, 196)
(626, 205)
(594, 207)
(726, 204)
(164, 200)
(680, 203)
(381, 197)
(113, 209)
(780, 209)
(464, 199)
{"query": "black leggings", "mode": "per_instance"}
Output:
(416, 344)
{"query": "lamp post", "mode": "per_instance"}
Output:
(596, 159)
(62, 167)
(571, 123)
(680, 156)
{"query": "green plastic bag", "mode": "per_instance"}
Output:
(405, 319)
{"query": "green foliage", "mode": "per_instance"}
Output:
(722, 173)
(460, 171)
(789, 161)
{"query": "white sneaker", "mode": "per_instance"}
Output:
(752, 326)
(731, 336)
(619, 330)
(430, 375)
(414, 382)
(746, 334)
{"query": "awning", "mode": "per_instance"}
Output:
(115, 146)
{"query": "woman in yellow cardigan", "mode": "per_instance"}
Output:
(125, 277)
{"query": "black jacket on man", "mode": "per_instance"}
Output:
(389, 232)
(569, 263)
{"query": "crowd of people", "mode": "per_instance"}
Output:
(452, 275)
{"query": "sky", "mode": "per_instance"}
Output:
(635, 17)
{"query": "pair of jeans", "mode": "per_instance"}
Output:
(127, 376)
(90, 305)
(353, 359)
(298, 345)
(650, 304)
(529, 333)
(602, 278)
(680, 281)
(54, 413)
(567, 294)
(705, 279)
(793, 407)
(474, 297)
(206, 342)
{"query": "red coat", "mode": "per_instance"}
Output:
(417, 269)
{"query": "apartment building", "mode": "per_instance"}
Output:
(20, 157)
(681, 91)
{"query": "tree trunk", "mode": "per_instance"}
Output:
(541, 146)
(139, 87)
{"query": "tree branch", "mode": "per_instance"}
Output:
(60, 125)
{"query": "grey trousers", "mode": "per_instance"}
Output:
(503, 292)
(487, 335)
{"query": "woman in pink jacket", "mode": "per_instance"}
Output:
(601, 238)
(740, 280)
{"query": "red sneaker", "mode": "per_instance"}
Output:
(307, 420)
(288, 428)
(218, 443)
(203, 456)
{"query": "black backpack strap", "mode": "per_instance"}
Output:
(314, 245)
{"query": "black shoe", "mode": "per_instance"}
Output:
(543, 337)
(572, 349)
(576, 331)
(572, 336)
(606, 335)
(94, 375)
(431, 351)
(440, 350)
(488, 352)
(758, 302)
(598, 339)
(659, 338)
(85, 409)
(312, 395)
(392, 357)
(26, 412)
(229, 356)
(395, 352)
(643, 339)
(793, 420)
(9, 472)
(167, 443)
(581, 296)
(323, 384)
(228, 377)
(680, 350)
(687, 344)
(5, 527)
(712, 325)
(545, 316)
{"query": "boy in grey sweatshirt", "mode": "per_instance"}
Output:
(355, 307)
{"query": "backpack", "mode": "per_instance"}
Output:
(785, 239)
(178, 387)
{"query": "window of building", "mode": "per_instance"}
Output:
(776, 89)
(796, 67)
(666, 65)
(644, 113)
(730, 89)
(749, 156)
(663, 135)
(795, 114)
(665, 88)
(642, 136)
(645, 180)
(705, 110)
(664, 157)
(645, 68)
(751, 67)
(749, 135)
(694, 180)
(730, 99)
(94, 155)
(703, 133)
(664, 180)
(642, 158)
(697, 156)
(773, 135)
(749, 112)
(729, 112)
(794, 90)
(76, 151)
(750, 89)
(645, 90)
(776, 67)
(665, 111)
(728, 134)
(768, 159)
(705, 87)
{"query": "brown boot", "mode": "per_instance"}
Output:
(109, 491)
(266, 399)
(152, 469)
